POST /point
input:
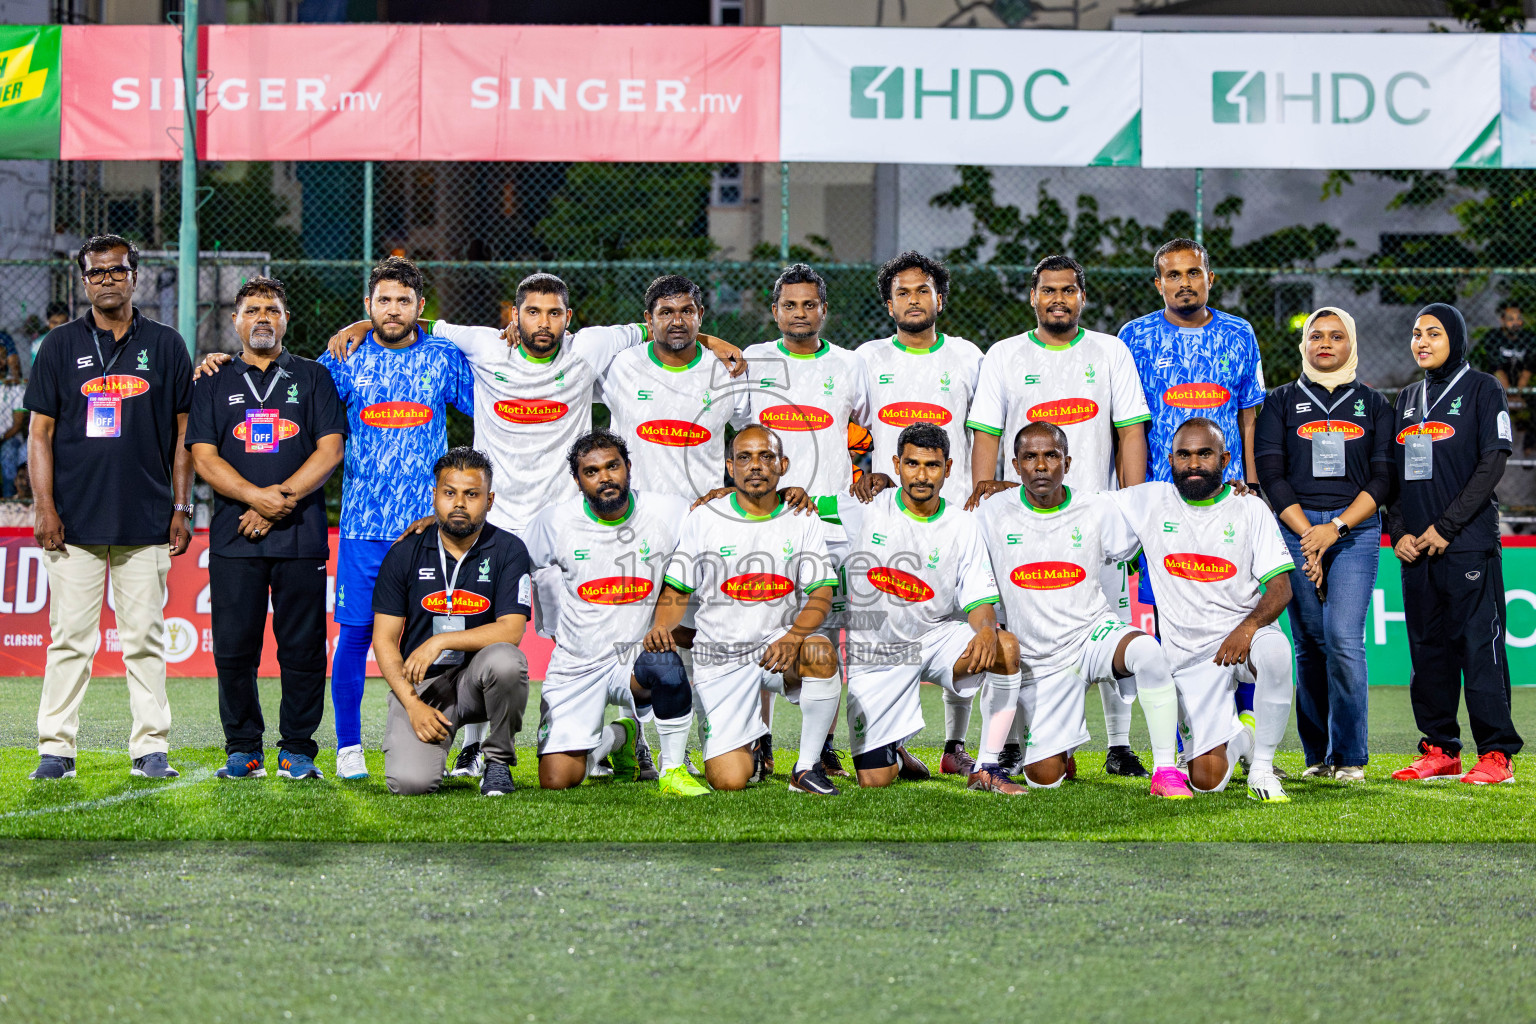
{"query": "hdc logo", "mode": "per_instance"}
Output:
(1240, 97)
(986, 94)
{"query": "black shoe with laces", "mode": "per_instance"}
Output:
(497, 780)
(469, 763)
(1123, 761)
(830, 761)
(812, 780)
(762, 759)
(1011, 760)
(645, 768)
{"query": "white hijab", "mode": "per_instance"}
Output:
(1331, 379)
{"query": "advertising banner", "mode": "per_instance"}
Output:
(24, 630)
(566, 92)
(29, 92)
(1364, 101)
(123, 96)
(952, 96)
(1517, 65)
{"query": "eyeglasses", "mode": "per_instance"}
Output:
(99, 275)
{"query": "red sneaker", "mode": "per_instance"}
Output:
(956, 761)
(1433, 763)
(1491, 769)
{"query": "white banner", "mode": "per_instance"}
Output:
(951, 96)
(1358, 101)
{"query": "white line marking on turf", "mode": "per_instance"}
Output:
(189, 779)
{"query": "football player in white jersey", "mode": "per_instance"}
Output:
(1048, 543)
(763, 581)
(610, 546)
(1219, 568)
(921, 376)
(1085, 383)
(921, 604)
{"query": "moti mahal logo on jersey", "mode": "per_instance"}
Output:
(1199, 568)
(1197, 396)
(1064, 411)
(118, 385)
(1340, 97)
(615, 590)
(530, 410)
(392, 415)
(757, 586)
(673, 433)
(795, 417)
(899, 584)
(904, 414)
(889, 92)
(1048, 575)
(1437, 431)
(465, 602)
(1348, 429)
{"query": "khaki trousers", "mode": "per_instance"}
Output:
(77, 578)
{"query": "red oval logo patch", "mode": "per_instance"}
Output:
(1197, 396)
(615, 590)
(465, 602)
(1200, 568)
(757, 586)
(1048, 575)
(795, 417)
(396, 414)
(672, 433)
(285, 430)
(118, 385)
(1064, 411)
(904, 414)
(1434, 428)
(1348, 429)
(530, 410)
(899, 584)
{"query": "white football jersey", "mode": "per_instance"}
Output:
(1208, 561)
(610, 572)
(808, 400)
(922, 385)
(905, 574)
(1048, 563)
(529, 411)
(1088, 388)
(674, 419)
(750, 573)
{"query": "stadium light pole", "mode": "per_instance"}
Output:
(186, 256)
(784, 211)
(367, 216)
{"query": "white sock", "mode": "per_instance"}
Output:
(472, 733)
(1117, 715)
(673, 735)
(611, 736)
(1270, 658)
(957, 717)
(818, 707)
(1237, 749)
(999, 704)
(1158, 695)
(1016, 732)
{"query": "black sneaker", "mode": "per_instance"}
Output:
(1123, 761)
(497, 780)
(912, 770)
(645, 768)
(830, 761)
(762, 759)
(153, 766)
(812, 780)
(1011, 760)
(52, 766)
(470, 764)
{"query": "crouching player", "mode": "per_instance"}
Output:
(915, 565)
(1219, 569)
(610, 546)
(1049, 543)
(749, 560)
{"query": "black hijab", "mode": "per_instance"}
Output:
(1455, 332)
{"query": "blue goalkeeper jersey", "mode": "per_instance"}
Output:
(1212, 371)
(397, 403)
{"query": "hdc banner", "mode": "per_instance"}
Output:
(1347, 101)
(948, 96)
(548, 92)
(29, 92)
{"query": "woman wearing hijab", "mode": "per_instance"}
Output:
(1323, 450)
(1454, 437)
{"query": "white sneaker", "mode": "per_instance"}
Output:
(350, 763)
(1265, 788)
(1349, 773)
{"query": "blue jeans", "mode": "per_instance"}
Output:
(1331, 684)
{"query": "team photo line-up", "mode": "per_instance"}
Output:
(717, 545)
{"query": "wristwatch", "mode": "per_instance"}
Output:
(188, 509)
(1341, 526)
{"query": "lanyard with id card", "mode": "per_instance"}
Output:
(1327, 444)
(104, 413)
(1419, 446)
(261, 423)
(449, 623)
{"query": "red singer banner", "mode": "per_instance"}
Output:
(123, 95)
(566, 92)
(24, 630)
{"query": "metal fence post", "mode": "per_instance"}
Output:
(784, 212)
(186, 256)
(367, 216)
(1199, 205)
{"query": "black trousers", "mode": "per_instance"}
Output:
(1454, 607)
(239, 588)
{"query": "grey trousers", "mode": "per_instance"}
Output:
(491, 686)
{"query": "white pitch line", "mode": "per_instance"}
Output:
(189, 779)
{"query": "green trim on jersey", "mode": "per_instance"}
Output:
(819, 584)
(994, 599)
(520, 350)
(1143, 418)
(650, 350)
(669, 581)
(1226, 489)
(826, 347)
(750, 517)
(1024, 498)
(1056, 348)
(994, 431)
(586, 507)
(937, 344)
(827, 509)
(902, 504)
(1276, 572)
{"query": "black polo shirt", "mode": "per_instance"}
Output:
(303, 407)
(1468, 420)
(1290, 417)
(495, 581)
(116, 488)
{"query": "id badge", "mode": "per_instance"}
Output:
(1328, 454)
(448, 624)
(1418, 457)
(260, 431)
(104, 416)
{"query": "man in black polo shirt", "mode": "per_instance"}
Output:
(449, 608)
(266, 431)
(112, 484)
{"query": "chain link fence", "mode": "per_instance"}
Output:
(1282, 243)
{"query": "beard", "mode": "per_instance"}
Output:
(616, 502)
(538, 343)
(918, 326)
(394, 331)
(460, 528)
(1196, 485)
(260, 342)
